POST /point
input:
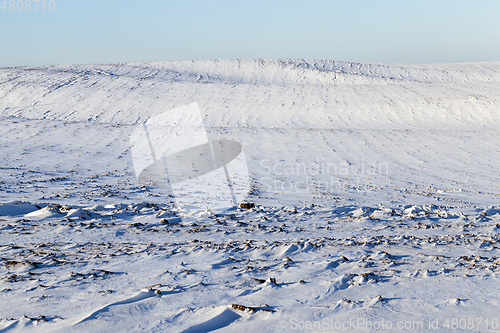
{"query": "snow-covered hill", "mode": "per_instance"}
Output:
(265, 93)
(367, 179)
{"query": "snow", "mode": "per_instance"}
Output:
(375, 191)
(17, 208)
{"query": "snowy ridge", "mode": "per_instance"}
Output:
(256, 93)
(323, 72)
(286, 71)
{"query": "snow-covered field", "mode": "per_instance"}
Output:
(375, 191)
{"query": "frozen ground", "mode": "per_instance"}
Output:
(375, 190)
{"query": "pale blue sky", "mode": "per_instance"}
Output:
(110, 31)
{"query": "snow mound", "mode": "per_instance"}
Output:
(16, 208)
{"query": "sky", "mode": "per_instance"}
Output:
(116, 31)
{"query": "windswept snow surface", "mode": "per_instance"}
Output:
(376, 192)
